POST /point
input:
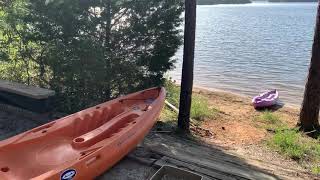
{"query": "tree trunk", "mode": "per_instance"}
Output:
(311, 103)
(187, 67)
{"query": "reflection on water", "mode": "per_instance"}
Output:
(249, 48)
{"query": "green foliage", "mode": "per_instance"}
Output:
(168, 115)
(270, 121)
(167, 120)
(295, 145)
(269, 117)
(316, 169)
(287, 141)
(90, 51)
(15, 50)
(173, 92)
(200, 108)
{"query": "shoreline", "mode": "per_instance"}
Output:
(214, 90)
(234, 94)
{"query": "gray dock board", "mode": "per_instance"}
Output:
(24, 90)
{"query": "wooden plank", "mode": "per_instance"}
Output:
(210, 160)
(24, 90)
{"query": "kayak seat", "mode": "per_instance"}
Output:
(106, 130)
(86, 122)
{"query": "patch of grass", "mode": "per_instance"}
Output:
(173, 93)
(291, 142)
(168, 115)
(270, 121)
(269, 117)
(295, 145)
(167, 120)
(287, 141)
(316, 169)
(200, 108)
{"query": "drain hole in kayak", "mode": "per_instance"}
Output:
(5, 169)
(97, 107)
(83, 153)
(79, 140)
(44, 131)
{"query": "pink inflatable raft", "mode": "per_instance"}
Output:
(266, 99)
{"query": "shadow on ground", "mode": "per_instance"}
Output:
(12, 123)
(271, 108)
(161, 147)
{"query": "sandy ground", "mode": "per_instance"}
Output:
(236, 122)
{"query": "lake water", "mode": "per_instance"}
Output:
(247, 49)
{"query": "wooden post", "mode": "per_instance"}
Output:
(187, 67)
(309, 113)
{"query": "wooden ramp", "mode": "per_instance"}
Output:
(210, 162)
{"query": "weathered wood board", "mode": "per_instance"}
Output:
(24, 90)
(27, 97)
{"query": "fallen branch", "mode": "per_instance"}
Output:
(171, 106)
(310, 132)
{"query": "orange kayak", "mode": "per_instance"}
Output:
(82, 145)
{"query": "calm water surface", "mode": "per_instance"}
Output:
(250, 48)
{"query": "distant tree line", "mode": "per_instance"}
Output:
(212, 2)
(88, 51)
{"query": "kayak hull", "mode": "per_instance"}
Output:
(82, 145)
